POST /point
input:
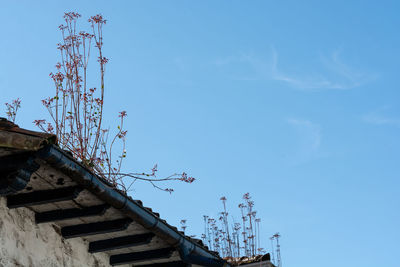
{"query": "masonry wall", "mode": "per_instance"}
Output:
(25, 243)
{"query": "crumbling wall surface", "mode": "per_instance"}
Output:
(25, 243)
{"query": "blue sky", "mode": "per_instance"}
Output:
(296, 102)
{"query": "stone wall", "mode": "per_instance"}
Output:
(25, 243)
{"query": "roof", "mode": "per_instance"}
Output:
(256, 261)
(35, 173)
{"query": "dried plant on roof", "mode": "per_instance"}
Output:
(12, 109)
(232, 239)
(183, 225)
(77, 108)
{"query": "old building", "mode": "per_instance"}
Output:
(55, 212)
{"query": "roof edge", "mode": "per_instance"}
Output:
(13, 137)
(190, 252)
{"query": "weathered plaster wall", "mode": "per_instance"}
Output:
(24, 243)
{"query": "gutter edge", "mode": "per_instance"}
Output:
(188, 250)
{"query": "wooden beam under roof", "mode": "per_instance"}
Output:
(120, 242)
(59, 215)
(43, 197)
(157, 254)
(95, 228)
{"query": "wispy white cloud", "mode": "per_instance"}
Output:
(345, 76)
(378, 118)
(307, 141)
(310, 134)
(333, 72)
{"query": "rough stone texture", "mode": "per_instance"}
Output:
(25, 243)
